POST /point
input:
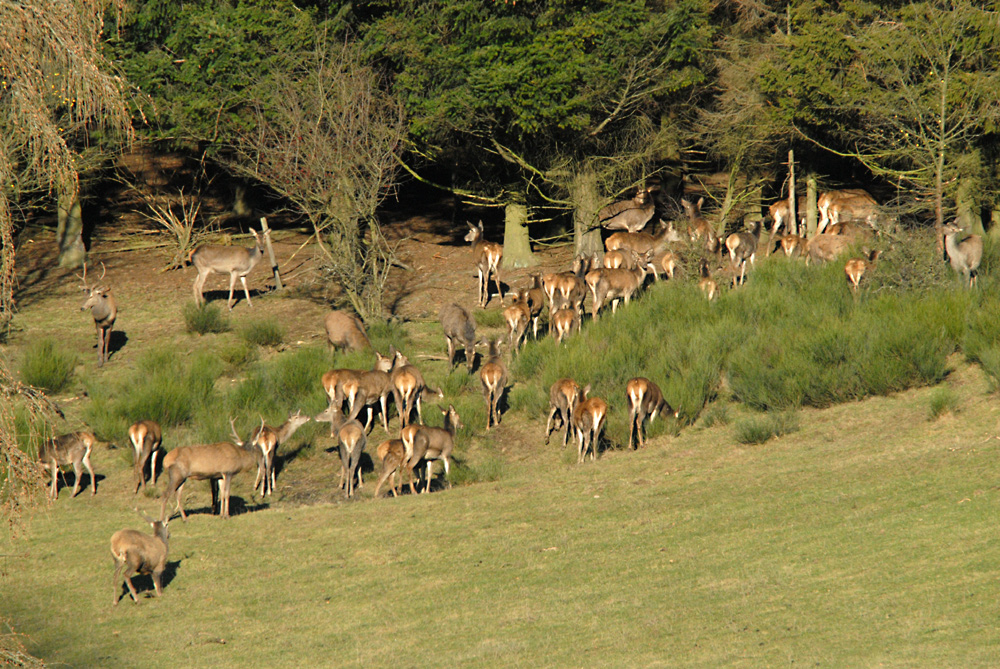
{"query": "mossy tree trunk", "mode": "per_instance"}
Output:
(516, 243)
(811, 209)
(586, 203)
(69, 233)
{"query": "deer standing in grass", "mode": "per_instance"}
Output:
(268, 439)
(588, 422)
(742, 246)
(564, 395)
(707, 284)
(645, 401)
(392, 454)
(698, 226)
(493, 377)
(345, 331)
(486, 256)
(138, 553)
(849, 204)
(780, 213)
(459, 328)
(642, 242)
(791, 245)
(104, 309)
(536, 302)
(563, 289)
(408, 387)
(433, 443)
(565, 322)
(615, 285)
(351, 436)
(236, 261)
(147, 439)
(367, 389)
(824, 248)
(964, 254)
(517, 317)
(216, 463)
(855, 269)
(69, 449)
(631, 215)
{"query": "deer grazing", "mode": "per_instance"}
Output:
(69, 449)
(459, 328)
(345, 331)
(367, 389)
(849, 204)
(707, 284)
(698, 226)
(742, 246)
(642, 242)
(855, 269)
(433, 443)
(780, 214)
(631, 215)
(493, 376)
(138, 553)
(268, 439)
(392, 454)
(486, 256)
(146, 438)
(645, 401)
(564, 289)
(407, 388)
(563, 398)
(517, 316)
(824, 248)
(615, 285)
(536, 302)
(588, 422)
(791, 245)
(218, 462)
(236, 261)
(964, 254)
(564, 322)
(104, 309)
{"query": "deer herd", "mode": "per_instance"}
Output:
(633, 253)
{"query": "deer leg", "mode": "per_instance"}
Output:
(77, 470)
(496, 280)
(199, 284)
(429, 473)
(384, 404)
(246, 291)
(482, 287)
(232, 284)
(157, 584)
(129, 573)
(90, 470)
(550, 423)
(100, 346)
(115, 582)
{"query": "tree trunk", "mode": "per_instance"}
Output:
(811, 209)
(967, 208)
(516, 243)
(586, 203)
(69, 233)
(793, 214)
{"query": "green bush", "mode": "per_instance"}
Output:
(491, 468)
(47, 366)
(762, 428)
(489, 318)
(943, 400)
(238, 355)
(207, 318)
(262, 333)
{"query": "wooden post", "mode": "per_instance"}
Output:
(793, 216)
(270, 252)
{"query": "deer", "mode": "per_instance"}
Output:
(621, 258)
(847, 204)
(459, 328)
(392, 454)
(336, 382)
(964, 253)
(742, 246)
(486, 256)
(517, 317)
(564, 395)
(351, 436)
(367, 389)
(138, 553)
(103, 308)
(824, 248)
(630, 215)
(220, 462)
(407, 388)
(74, 449)
(346, 331)
(855, 269)
(433, 443)
(268, 439)
(780, 214)
(147, 439)
(615, 285)
(698, 226)
(642, 242)
(645, 401)
(493, 377)
(567, 288)
(564, 322)
(236, 261)
(588, 423)
(668, 262)
(536, 302)
(791, 245)
(707, 284)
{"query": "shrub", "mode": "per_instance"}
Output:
(238, 355)
(47, 366)
(943, 400)
(491, 468)
(205, 319)
(489, 318)
(760, 429)
(717, 414)
(262, 333)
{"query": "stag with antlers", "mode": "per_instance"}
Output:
(103, 308)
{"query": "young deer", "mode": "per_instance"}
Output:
(407, 388)
(486, 255)
(780, 214)
(433, 443)
(645, 400)
(536, 302)
(791, 245)
(588, 422)
(564, 289)
(964, 254)
(104, 309)
(698, 225)
(564, 322)
(824, 248)
(642, 242)
(146, 438)
(138, 553)
(493, 376)
(346, 331)
(367, 389)
(844, 205)
(351, 436)
(707, 284)
(517, 316)
(563, 398)
(631, 215)
(742, 246)
(392, 454)
(268, 439)
(856, 267)
(615, 285)
(69, 449)
(236, 261)
(459, 328)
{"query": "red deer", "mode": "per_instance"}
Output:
(824, 248)
(392, 454)
(69, 449)
(407, 388)
(517, 316)
(645, 401)
(268, 439)
(236, 261)
(792, 245)
(631, 215)
(567, 288)
(964, 253)
(615, 285)
(564, 322)
(642, 242)
(563, 398)
(742, 246)
(346, 331)
(707, 284)
(138, 553)
(146, 438)
(104, 309)
(780, 214)
(433, 443)
(459, 328)
(850, 204)
(351, 436)
(856, 268)
(493, 376)
(588, 422)
(367, 389)
(698, 227)
(486, 255)
(536, 302)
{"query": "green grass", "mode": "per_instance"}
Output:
(942, 401)
(262, 333)
(208, 318)
(762, 428)
(48, 366)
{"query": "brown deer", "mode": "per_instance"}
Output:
(146, 438)
(824, 248)
(218, 462)
(621, 258)
(392, 454)
(536, 302)
(791, 245)
(367, 389)
(517, 317)
(493, 377)
(642, 242)
(780, 214)
(742, 246)
(567, 288)
(69, 449)
(565, 322)
(351, 436)
(138, 553)
(615, 285)
(588, 422)
(964, 253)
(459, 328)
(851, 230)
(346, 331)
(104, 309)
(707, 284)
(268, 439)
(668, 262)
(855, 269)
(631, 215)
(698, 226)
(563, 398)
(486, 256)
(236, 261)
(407, 389)
(645, 401)
(433, 443)
(849, 204)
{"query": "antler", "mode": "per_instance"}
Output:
(236, 437)
(144, 516)
(104, 270)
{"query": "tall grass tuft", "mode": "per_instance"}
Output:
(204, 319)
(266, 332)
(762, 428)
(48, 366)
(288, 382)
(943, 400)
